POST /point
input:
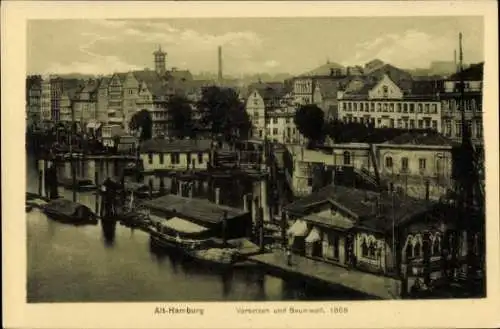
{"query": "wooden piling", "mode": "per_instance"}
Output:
(96, 179)
(150, 188)
(40, 182)
(260, 228)
(224, 227)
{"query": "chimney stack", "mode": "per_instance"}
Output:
(220, 64)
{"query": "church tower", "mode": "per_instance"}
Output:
(160, 62)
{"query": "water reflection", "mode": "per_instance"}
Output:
(108, 232)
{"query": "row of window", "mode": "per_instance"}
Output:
(467, 105)
(175, 158)
(389, 107)
(392, 123)
(422, 163)
(476, 129)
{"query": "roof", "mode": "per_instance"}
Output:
(401, 77)
(268, 90)
(152, 80)
(323, 70)
(179, 74)
(179, 145)
(183, 225)
(91, 86)
(198, 209)
(329, 88)
(369, 209)
(104, 82)
(472, 73)
(421, 138)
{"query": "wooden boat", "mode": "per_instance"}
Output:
(215, 256)
(81, 184)
(67, 211)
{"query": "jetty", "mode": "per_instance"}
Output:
(375, 286)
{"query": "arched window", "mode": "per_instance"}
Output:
(364, 248)
(347, 158)
(388, 162)
(436, 246)
(372, 250)
(416, 249)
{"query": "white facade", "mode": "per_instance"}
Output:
(256, 109)
(386, 106)
(175, 160)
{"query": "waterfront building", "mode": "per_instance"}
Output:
(176, 155)
(115, 100)
(102, 99)
(385, 103)
(45, 101)
(417, 164)
(381, 233)
(280, 126)
(109, 133)
(262, 99)
(33, 100)
(472, 104)
(85, 102)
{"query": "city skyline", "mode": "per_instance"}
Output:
(250, 45)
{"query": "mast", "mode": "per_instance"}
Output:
(73, 176)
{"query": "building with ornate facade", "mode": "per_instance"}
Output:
(385, 103)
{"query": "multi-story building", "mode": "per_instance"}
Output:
(385, 103)
(58, 88)
(115, 100)
(33, 100)
(262, 99)
(45, 101)
(472, 105)
(85, 102)
(305, 84)
(102, 99)
(68, 111)
(417, 164)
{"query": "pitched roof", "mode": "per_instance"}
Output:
(179, 74)
(421, 138)
(401, 77)
(90, 87)
(329, 88)
(197, 209)
(152, 80)
(179, 145)
(104, 82)
(323, 70)
(268, 90)
(369, 209)
(472, 73)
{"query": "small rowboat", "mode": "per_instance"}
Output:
(67, 211)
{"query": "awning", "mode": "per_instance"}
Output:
(299, 228)
(93, 125)
(183, 226)
(313, 236)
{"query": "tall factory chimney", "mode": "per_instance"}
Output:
(455, 60)
(220, 65)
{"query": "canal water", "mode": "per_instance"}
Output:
(110, 263)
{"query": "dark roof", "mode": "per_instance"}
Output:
(329, 88)
(179, 145)
(104, 81)
(268, 90)
(198, 209)
(152, 80)
(421, 138)
(472, 73)
(401, 77)
(323, 70)
(425, 87)
(370, 209)
(179, 74)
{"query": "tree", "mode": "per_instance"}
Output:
(310, 120)
(223, 113)
(143, 122)
(181, 116)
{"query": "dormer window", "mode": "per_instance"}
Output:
(385, 91)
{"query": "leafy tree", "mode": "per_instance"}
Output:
(181, 116)
(223, 113)
(310, 120)
(143, 122)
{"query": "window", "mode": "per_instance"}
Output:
(161, 158)
(379, 122)
(347, 158)
(391, 107)
(386, 108)
(419, 108)
(174, 158)
(275, 131)
(372, 107)
(420, 124)
(388, 162)
(355, 107)
(255, 102)
(364, 248)
(400, 123)
(479, 129)
(255, 114)
(260, 133)
(427, 106)
(412, 108)
(361, 107)
(275, 120)
(458, 129)
(378, 107)
(200, 158)
(392, 123)
(287, 120)
(398, 107)
(406, 123)
(404, 164)
(268, 121)
(434, 108)
(421, 164)
(434, 125)
(150, 158)
(188, 158)
(385, 91)
(416, 249)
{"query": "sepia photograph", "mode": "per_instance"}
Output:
(255, 159)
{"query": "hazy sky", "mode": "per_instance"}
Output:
(292, 45)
